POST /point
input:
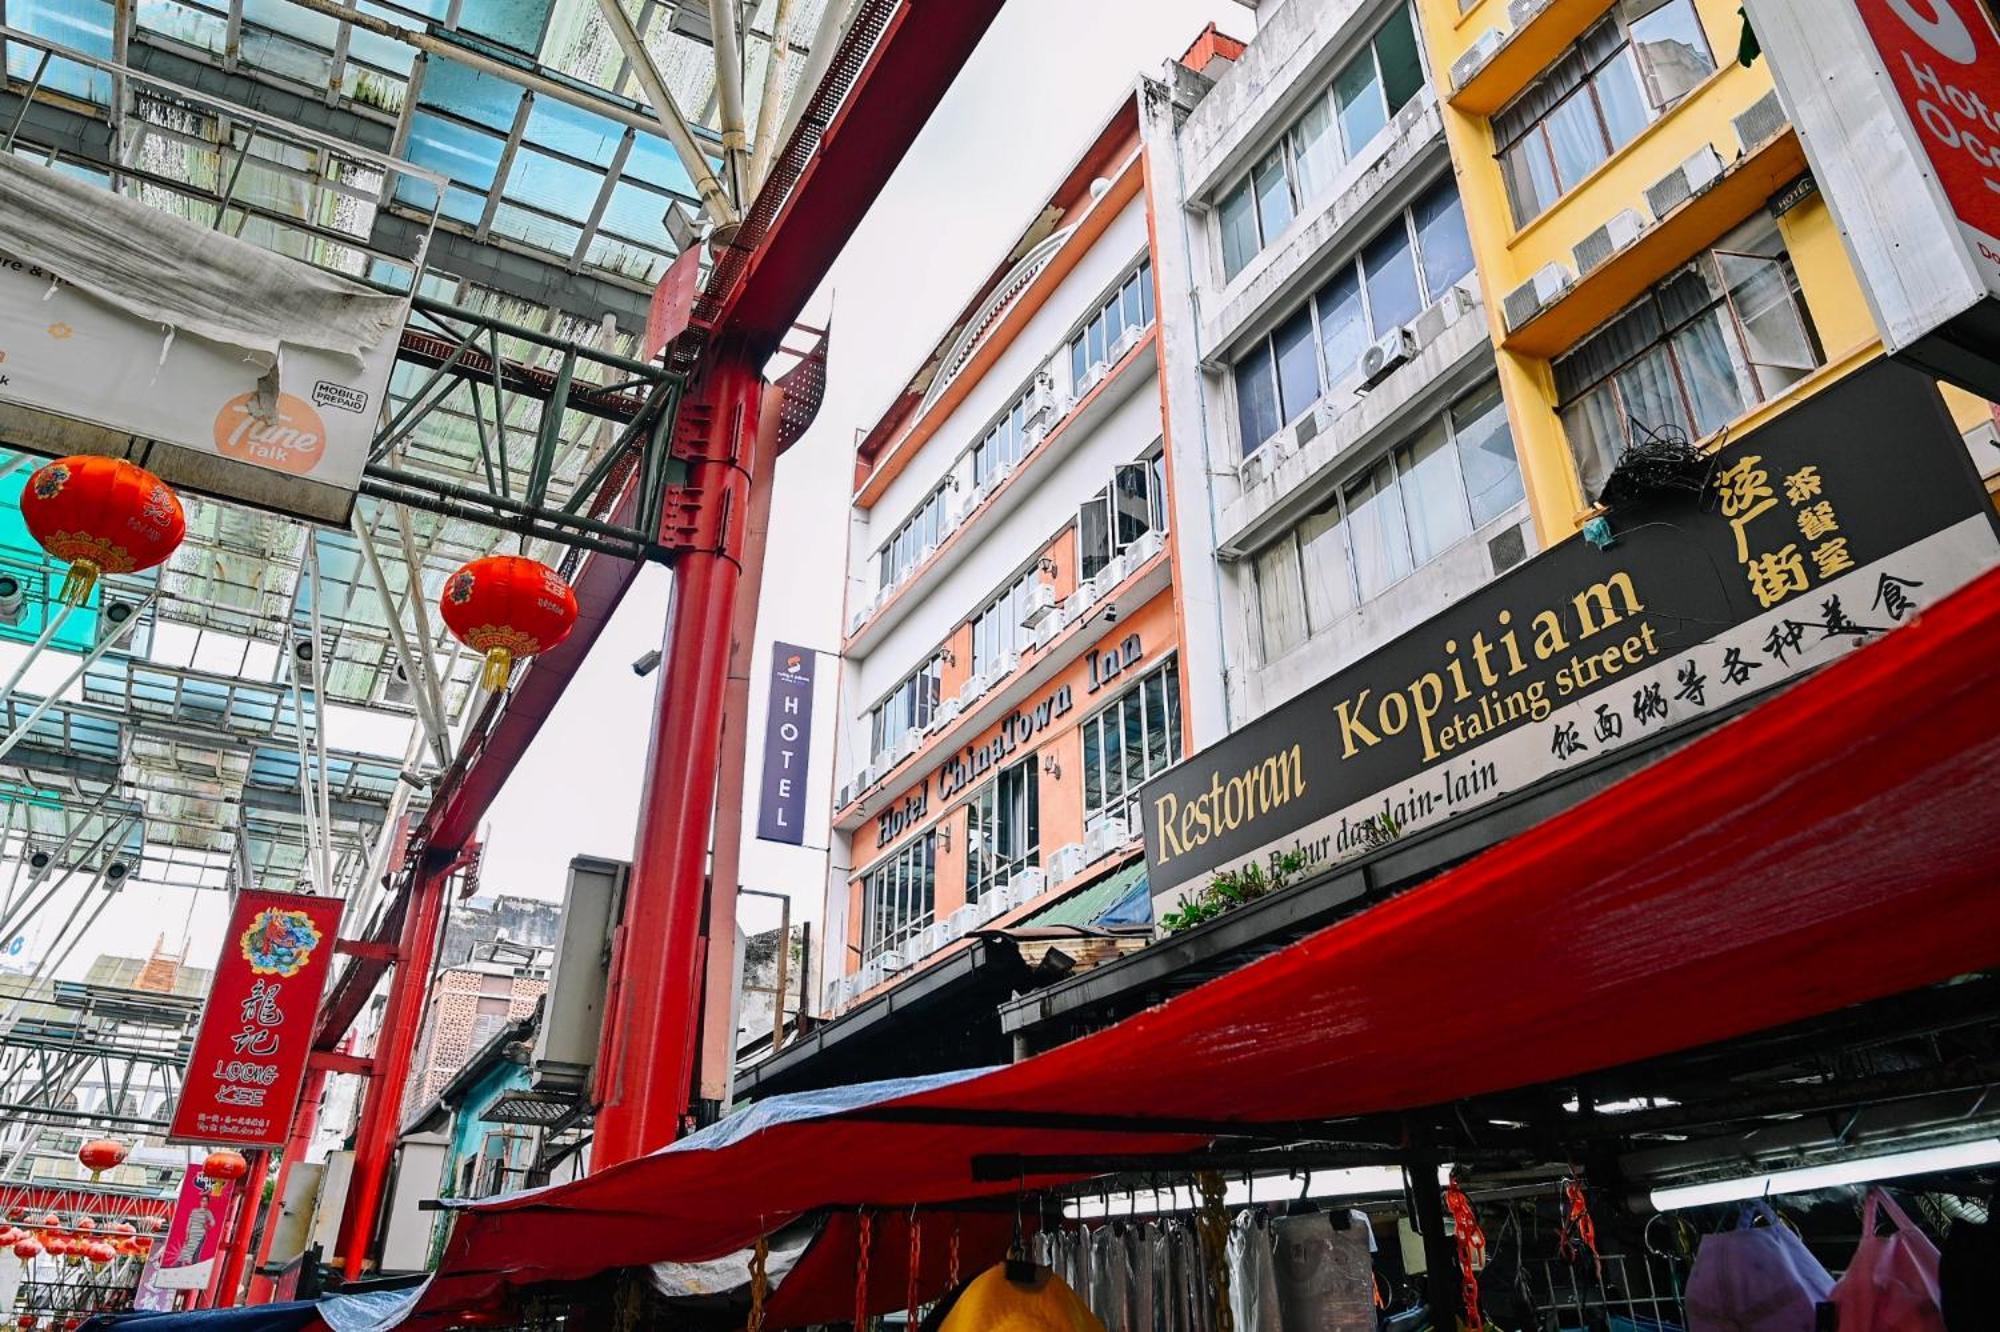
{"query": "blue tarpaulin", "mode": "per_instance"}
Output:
(366, 1311)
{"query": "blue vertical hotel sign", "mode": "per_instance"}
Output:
(787, 745)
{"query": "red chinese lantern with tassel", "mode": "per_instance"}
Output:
(507, 607)
(225, 1165)
(102, 1154)
(100, 1253)
(26, 1249)
(85, 1224)
(102, 515)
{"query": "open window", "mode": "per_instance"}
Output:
(1117, 516)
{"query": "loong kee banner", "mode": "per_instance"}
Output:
(1806, 538)
(249, 1062)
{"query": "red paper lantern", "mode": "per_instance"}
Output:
(506, 607)
(25, 1320)
(123, 1229)
(50, 1221)
(102, 1154)
(156, 1223)
(102, 515)
(26, 1249)
(56, 1246)
(85, 1224)
(99, 1253)
(224, 1164)
(143, 1245)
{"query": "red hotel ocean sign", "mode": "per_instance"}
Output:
(249, 1061)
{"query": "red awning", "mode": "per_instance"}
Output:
(1832, 846)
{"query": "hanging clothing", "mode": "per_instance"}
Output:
(1139, 1259)
(994, 1302)
(1111, 1279)
(1326, 1281)
(1253, 1278)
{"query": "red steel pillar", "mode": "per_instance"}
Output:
(395, 1050)
(645, 1064)
(235, 1253)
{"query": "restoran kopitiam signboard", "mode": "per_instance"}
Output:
(249, 1062)
(1815, 534)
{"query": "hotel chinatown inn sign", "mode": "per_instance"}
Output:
(249, 1062)
(1812, 535)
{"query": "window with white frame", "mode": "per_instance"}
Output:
(1727, 332)
(1364, 96)
(1393, 516)
(908, 707)
(1134, 504)
(1621, 76)
(1407, 265)
(898, 896)
(919, 534)
(1129, 307)
(1130, 741)
(1003, 829)
(996, 630)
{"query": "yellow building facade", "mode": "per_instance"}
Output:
(1654, 253)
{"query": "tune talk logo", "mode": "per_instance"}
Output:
(293, 440)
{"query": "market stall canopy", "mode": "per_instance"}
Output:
(1830, 847)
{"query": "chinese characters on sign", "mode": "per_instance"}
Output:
(250, 1052)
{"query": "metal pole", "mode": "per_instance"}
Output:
(53, 623)
(646, 1055)
(319, 718)
(432, 724)
(728, 50)
(716, 1051)
(1420, 1173)
(765, 142)
(714, 197)
(110, 641)
(395, 1051)
(236, 1250)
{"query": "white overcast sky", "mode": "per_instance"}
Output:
(1047, 75)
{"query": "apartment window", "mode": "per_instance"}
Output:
(1394, 516)
(909, 706)
(1365, 94)
(898, 896)
(1134, 504)
(917, 536)
(1004, 830)
(1129, 742)
(1410, 263)
(996, 630)
(1618, 78)
(1725, 333)
(1129, 307)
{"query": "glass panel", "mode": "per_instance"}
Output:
(1486, 454)
(1531, 177)
(1155, 691)
(1343, 325)
(1624, 105)
(1672, 51)
(1393, 298)
(1239, 230)
(1128, 301)
(1298, 364)
(1146, 293)
(1274, 195)
(1256, 399)
(1093, 773)
(1442, 245)
(1376, 527)
(1280, 599)
(1357, 101)
(1717, 382)
(1775, 336)
(1093, 537)
(1315, 150)
(1078, 365)
(1329, 577)
(1131, 502)
(1576, 138)
(1174, 709)
(1097, 344)
(1113, 732)
(1432, 494)
(1396, 49)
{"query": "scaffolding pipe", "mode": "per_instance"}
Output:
(765, 143)
(721, 205)
(431, 723)
(104, 645)
(319, 719)
(420, 618)
(728, 49)
(7, 921)
(49, 630)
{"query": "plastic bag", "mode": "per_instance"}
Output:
(1756, 1279)
(1892, 1283)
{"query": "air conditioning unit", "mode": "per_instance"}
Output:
(1042, 403)
(911, 742)
(1459, 302)
(1109, 577)
(1684, 182)
(1066, 862)
(1146, 547)
(1048, 630)
(993, 904)
(1250, 472)
(1126, 342)
(1761, 123)
(859, 618)
(1624, 227)
(893, 960)
(1536, 294)
(1523, 12)
(868, 977)
(962, 921)
(844, 796)
(1028, 885)
(1703, 169)
(1466, 68)
(1006, 665)
(929, 939)
(1042, 603)
(1091, 378)
(839, 991)
(1389, 351)
(1104, 837)
(1079, 603)
(975, 685)
(942, 715)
